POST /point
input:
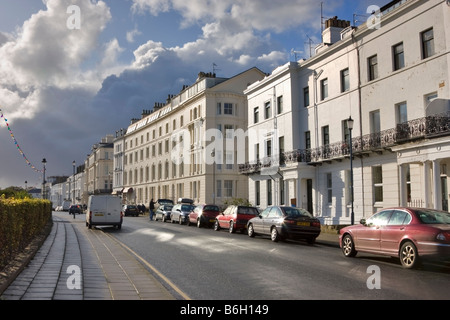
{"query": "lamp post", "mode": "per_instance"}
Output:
(73, 165)
(44, 161)
(213, 155)
(350, 122)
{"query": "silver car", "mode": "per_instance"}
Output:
(283, 222)
(180, 213)
(163, 212)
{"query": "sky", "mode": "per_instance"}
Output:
(73, 71)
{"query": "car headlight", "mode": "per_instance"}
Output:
(441, 237)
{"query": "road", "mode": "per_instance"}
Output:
(204, 264)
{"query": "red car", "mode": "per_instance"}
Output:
(235, 218)
(407, 233)
(203, 215)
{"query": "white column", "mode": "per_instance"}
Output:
(437, 201)
(298, 193)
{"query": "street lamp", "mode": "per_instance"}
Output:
(44, 161)
(350, 122)
(213, 155)
(73, 165)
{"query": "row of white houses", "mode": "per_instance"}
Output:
(393, 81)
(284, 137)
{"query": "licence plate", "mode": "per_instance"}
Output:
(212, 220)
(300, 223)
(98, 214)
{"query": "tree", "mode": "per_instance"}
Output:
(238, 202)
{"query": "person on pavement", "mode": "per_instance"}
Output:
(152, 209)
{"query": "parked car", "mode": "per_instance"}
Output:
(163, 212)
(130, 210)
(180, 213)
(75, 208)
(409, 234)
(160, 202)
(185, 200)
(235, 218)
(283, 222)
(204, 215)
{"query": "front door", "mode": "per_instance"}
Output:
(309, 196)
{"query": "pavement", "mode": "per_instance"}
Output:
(75, 263)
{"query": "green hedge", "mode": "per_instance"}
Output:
(20, 221)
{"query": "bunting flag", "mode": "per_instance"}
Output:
(17, 144)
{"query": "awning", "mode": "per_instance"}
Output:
(117, 191)
(126, 190)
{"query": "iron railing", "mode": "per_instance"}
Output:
(423, 128)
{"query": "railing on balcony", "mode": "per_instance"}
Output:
(422, 128)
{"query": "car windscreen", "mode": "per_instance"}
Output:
(247, 210)
(186, 207)
(296, 212)
(167, 207)
(433, 217)
(211, 208)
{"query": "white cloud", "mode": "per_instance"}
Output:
(46, 53)
(64, 89)
(153, 6)
(132, 34)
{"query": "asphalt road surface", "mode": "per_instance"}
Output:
(203, 264)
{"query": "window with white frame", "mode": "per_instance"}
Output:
(323, 89)
(269, 192)
(427, 43)
(228, 108)
(279, 104)
(267, 110)
(228, 188)
(219, 188)
(256, 115)
(329, 188)
(345, 80)
(375, 124)
(306, 97)
(377, 181)
(399, 56)
(401, 112)
(258, 192)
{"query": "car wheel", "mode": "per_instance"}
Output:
(199, 223)
(163, 219)
(231, 229)
(311, 240)
(274, 235)
(348, 246)
(172, 220)
(409, 256)
(216, 225)
(180, 220)
(250, 231)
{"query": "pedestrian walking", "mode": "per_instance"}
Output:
(152, 209)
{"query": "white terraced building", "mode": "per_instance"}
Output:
(169, 154)
(391, 76)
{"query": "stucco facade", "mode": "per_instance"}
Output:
(392, 79)
(171, 153)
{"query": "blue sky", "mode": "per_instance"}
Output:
(62, 89)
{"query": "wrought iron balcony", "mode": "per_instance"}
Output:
(418, 129)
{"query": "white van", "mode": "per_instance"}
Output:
(66, 205)
(104, 210)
